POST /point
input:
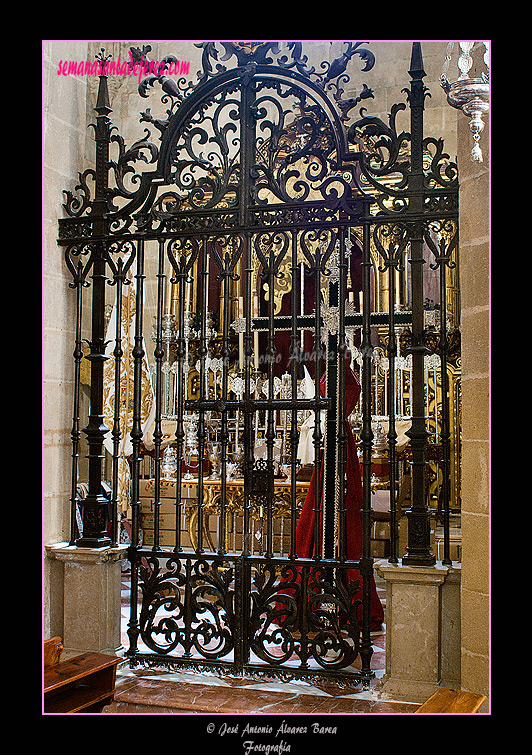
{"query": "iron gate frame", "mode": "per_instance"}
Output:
(408, 212)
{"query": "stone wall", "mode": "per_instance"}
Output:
(64, 136)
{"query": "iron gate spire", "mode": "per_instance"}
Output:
(419, 552)
(96, 504)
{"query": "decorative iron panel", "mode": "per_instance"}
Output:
(236, 251)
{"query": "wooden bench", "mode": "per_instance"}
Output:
(52, 651)
(83, 684)
(446, 700)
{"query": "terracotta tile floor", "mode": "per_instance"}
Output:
(158, 691)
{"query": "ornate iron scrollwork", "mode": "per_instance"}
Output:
(187, 604)
(76, 206)
(308, 616)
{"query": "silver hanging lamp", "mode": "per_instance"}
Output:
(471, 96)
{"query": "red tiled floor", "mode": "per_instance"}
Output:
(158, 696)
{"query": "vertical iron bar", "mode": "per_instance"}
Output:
(203, 299)
(303, 615)
(295, 363)
(330, 447)
(159, 356)
(318, 473)
(392, 434)
(182, 389)
(366, 348)
(136, 437)
(240, 613)
(136, 427)
(271, 413)
(445, 425)
(419, 552)
(331, 481)
(248, 405)
(187, 641)
(133, 623)
(76, 433)
(341, 410)
(116, 433)
(247, 159)
(224, 429)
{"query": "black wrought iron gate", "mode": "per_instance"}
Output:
(248, 235)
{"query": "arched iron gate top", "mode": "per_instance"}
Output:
(320, 173)
(373, 151)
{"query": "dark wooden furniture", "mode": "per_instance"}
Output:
(52, 651)
(446, 700)
(83, 684)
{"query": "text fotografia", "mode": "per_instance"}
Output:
(250, 746)
(119, 67)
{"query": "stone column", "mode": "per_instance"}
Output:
(475, 267)
(450, 618)
(422, 630)
(91, 596)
